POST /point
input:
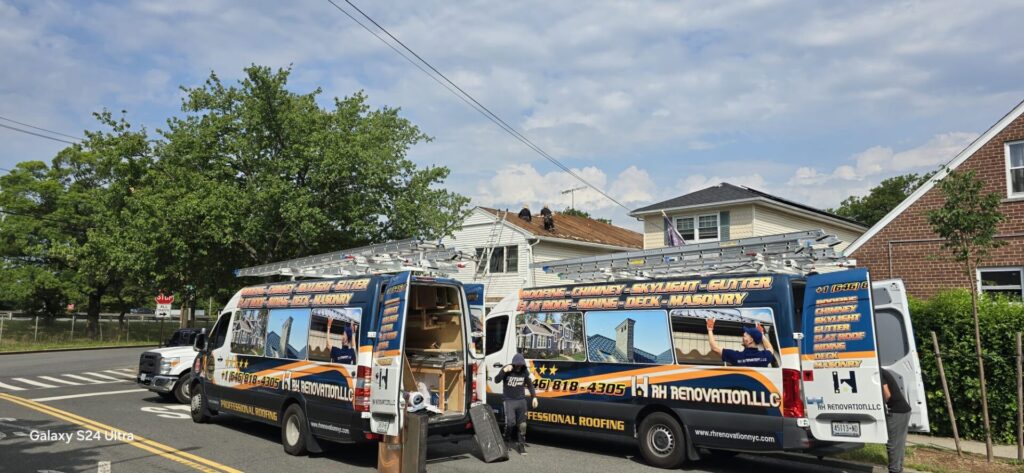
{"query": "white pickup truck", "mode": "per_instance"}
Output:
(167, 371)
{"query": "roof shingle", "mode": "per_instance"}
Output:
(571, 227)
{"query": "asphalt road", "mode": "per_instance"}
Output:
(69, 396)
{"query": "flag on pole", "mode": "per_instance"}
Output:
(672, 236)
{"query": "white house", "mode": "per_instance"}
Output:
(515, 244)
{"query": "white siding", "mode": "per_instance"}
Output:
(769, 221)
(475, 233)
(548, 251)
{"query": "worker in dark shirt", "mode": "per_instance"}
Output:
(897, 420)
(515, 381)
(751, 356)
(345, 353)
(524, 213)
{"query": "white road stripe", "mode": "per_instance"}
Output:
(33, 383)
(123, 370)
(83, 378)
(58, 380)
(118, 373)
(73, 396)
(12, 388)
(101, 376)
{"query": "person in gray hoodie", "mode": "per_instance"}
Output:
(515, 381)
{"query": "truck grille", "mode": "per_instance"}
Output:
(149, 363)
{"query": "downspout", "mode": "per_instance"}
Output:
(531, 276)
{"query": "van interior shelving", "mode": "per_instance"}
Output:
(434, 348)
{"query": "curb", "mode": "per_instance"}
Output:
(55, 350)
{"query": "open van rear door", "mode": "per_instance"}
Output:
(386, 401)
(897, 350)
(841, 382)
(477, 337)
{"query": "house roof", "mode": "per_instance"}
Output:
(957, 160)
(574, 229)
(602, 348)
(732, 194)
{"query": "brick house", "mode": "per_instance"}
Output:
(902, 244)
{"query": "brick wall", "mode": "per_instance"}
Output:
(923, 266)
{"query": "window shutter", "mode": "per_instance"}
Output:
(723, 226)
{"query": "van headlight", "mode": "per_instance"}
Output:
(167, 364)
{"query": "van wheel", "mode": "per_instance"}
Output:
(294, 431)
(661, 441)
(182, 388)
(197, 405)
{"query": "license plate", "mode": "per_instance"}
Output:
(845, 428)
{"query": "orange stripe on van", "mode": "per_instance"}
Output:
(666, 377)
(366, 349)
(790, 351)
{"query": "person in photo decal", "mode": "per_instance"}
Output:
(344, 354)
(751, 355)
(515, 382)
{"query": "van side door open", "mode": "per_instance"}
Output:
(841, 379)
(386, 401)
(897, 349)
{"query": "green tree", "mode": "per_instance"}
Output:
(58, 240)
(581, 213)
(255, 173)
(882, 198)
(967, 222)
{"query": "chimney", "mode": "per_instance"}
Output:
(624, 338)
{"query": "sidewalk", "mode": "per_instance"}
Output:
(971, 446)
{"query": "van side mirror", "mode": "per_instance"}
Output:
(200, 343)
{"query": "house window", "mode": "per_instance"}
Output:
(1015, 168)
(1005, 281)
(504, 259)
(700, 228)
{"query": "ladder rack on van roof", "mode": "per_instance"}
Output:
(790, 253)
(392, 257)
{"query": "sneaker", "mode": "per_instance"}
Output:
(521, 448)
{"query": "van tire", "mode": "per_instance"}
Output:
(662, 443)
(197, 406)
(182, 387)
(294, 430)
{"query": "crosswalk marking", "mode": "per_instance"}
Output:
(83, 378)
(101, 376)
(58, 380)
(33, 383)
(12, 388)
(118, 373)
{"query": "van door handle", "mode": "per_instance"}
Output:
(220, 358)
(497, 365)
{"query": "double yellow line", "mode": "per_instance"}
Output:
(170, 453)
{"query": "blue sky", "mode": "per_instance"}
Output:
(812, 101)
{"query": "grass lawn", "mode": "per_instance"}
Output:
(22, 335)
(935, 460)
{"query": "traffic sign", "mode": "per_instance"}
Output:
(163, 311)
(162, 299)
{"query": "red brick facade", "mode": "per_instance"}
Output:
(897, 249)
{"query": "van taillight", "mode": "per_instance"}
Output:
(792, 401)
(475, 396)
(361, 400)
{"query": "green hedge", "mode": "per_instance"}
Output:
(949, 315)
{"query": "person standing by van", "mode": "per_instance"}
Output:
(897, 420)
(751, 356)
(515, 381)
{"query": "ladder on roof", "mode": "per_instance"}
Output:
(792, 253)
(384, 258)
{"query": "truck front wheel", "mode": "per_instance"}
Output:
(182, 388)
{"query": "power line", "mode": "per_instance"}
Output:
(43, 129)
(38, 134)
(463, 95)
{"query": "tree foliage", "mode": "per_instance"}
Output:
(582, 213)
(884, 197)
(248, 173)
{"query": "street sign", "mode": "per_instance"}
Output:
(163, 305)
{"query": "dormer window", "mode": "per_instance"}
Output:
(1015, 169)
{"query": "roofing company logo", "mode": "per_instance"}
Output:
(162, 299)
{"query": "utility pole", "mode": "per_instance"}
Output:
(572, 194)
